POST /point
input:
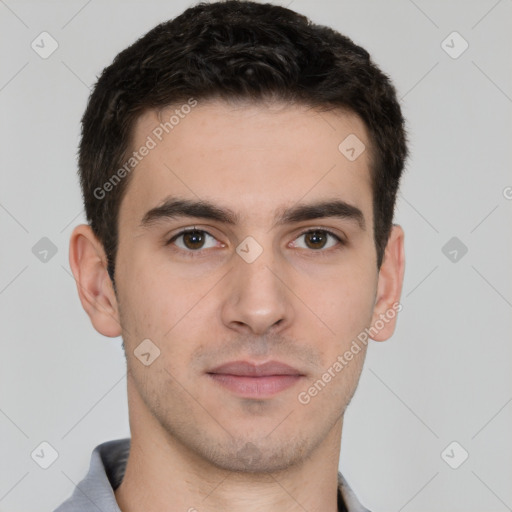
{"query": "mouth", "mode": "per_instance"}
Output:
(250, 380)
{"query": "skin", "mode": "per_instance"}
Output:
(194, 443)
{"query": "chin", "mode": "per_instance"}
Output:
(243, 456)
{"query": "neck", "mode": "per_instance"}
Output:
(162, 474)
(154, 481)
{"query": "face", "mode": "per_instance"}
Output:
(246, 256)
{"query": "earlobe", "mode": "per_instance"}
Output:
(389, 287)
(88, 263)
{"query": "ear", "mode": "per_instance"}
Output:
(389, 286)
(88, 263)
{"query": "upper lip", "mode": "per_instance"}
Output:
(247, 369)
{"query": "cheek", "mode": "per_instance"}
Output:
(166, 308)
(346, 302)
(146, 303)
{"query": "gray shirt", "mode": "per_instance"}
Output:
(95, 493)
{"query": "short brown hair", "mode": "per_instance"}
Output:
(236, 50)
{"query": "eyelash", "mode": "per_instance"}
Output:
(197, 253)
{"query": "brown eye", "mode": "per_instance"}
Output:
(193, 239)
(316, 239)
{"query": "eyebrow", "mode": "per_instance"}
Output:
(173, 207)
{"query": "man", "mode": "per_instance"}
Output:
(239, 168)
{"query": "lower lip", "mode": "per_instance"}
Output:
(255, 387)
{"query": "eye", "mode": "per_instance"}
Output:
(318, 239)
(192, 240)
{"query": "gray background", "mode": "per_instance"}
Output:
(444, 376)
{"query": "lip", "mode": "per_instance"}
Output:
(251, 380)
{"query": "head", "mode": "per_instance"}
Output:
(278, 145)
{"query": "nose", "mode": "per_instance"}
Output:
(257, 296)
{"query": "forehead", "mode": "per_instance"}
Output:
(253, 157)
